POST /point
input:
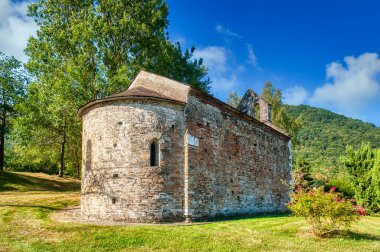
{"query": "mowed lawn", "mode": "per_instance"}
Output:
(27, 201)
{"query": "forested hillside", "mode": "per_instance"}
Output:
(324, 136)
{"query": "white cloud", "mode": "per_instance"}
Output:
(214, 57)
(252, 58)
(351, 87)
(222, 71)
(227, 32)
(224, 84)
(15, 28)
(295, 95)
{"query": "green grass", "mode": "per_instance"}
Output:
(25, 181)
(25, 225)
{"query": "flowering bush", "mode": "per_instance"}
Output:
(325, 211)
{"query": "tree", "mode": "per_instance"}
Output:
(233, 99)
(90, 49)
(279, 115)
(49, 123)
(106, 43)
(374, 188)
(181, 66)
(301, 173)
(363, 167)
(13, 82)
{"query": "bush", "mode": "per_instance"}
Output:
(327, 212)
(343, 186)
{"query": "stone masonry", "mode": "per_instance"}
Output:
(212, 159)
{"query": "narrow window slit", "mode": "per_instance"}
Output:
(154, 153)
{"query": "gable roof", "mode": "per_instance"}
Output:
(152, 86)
(145, 84)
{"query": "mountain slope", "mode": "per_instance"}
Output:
(324, 136)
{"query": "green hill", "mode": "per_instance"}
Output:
(325, 135)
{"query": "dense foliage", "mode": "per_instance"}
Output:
(301, 173)
(324, 136)
(280, 117)
(233, 99)
(343, 185)
(363, 167)
(13, 82)
(85, 50)
(326, 211)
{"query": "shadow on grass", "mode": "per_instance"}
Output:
(10, 181)
(243, 217)
(350, 235)
(33, 206)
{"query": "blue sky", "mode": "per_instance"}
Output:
(321, 53)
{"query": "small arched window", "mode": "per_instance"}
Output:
(154, 157)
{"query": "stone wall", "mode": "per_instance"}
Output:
(239, 167)
(118, 182)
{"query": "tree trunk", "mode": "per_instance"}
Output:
(2, 140)
(62, 155)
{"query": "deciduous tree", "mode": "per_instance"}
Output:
(233, 99)
(13, 82)
(85, 50)
(279, 116)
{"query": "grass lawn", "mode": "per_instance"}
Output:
(27, 200)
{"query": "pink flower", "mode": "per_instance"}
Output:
(360, 210)
(310, 193)
(340, 200)
(332, 189)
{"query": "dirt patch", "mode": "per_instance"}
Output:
(306, 232)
